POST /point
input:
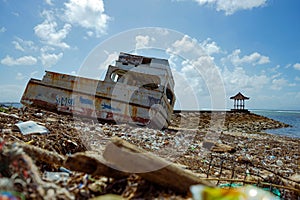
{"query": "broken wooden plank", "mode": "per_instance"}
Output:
(92, 163)
(129, 158)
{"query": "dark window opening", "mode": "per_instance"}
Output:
(146, 61)
(151, 86)
(170, 96)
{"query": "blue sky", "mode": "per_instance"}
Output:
(252, 46)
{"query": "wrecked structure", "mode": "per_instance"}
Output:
(137, 90)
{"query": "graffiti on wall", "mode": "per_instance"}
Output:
(109, 107)
(85, 101)
(65, 101)
(153, 101)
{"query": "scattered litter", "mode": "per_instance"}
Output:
(295, 177)
(7, 131)
(253, 162)
(108, 197)
(279, 163)
(8, 195)
(55, 176)
(62, 169)
(31, 127)
(248, 192)
(84, 181)
(9, 115)
(39, 115)
(6, 184)
(51, 119)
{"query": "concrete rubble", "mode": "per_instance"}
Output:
(221, 148)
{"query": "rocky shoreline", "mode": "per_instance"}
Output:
(214, 145)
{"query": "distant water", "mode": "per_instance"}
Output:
(11, 104)
(291, 117)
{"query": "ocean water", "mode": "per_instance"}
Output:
(11, 104)
(291, 117)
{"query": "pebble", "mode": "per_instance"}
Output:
(279, 163)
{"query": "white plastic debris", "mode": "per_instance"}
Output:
(56, 176)
(31, 127)
(9, 115)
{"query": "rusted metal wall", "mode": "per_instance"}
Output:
(92, 98)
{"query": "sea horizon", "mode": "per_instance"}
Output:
(275, 110)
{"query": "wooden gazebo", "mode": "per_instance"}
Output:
(239, 102)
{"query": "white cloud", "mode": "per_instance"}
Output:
(287, 66)
(110, 59)
(33, 74)
(297, 78)
(276, 75)
(18, 46)
(186, 45)
(204, 67)
(2, 29)
(202, 80)
(20, 76)
(23, 45)
(297, 66)
(48, 33)
(278, 84)
(16, 14)
(46, 48)
(182, 88)
(25, 60)
(142, 41)
(238, 79)
(49, 2)
(232, 6)
(87, 14)
(90, 33)
(199, 71)
(210, 46)
(274, 69)
(50, 59)
(254, 58)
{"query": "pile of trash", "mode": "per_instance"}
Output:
(46, 155)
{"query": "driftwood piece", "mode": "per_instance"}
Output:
(88, 162)
(129, 158)
(42, 154)
(217, 147)
(92, 163)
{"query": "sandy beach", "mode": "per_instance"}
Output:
(221, 147)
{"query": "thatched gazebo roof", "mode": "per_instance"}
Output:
(239, 96)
